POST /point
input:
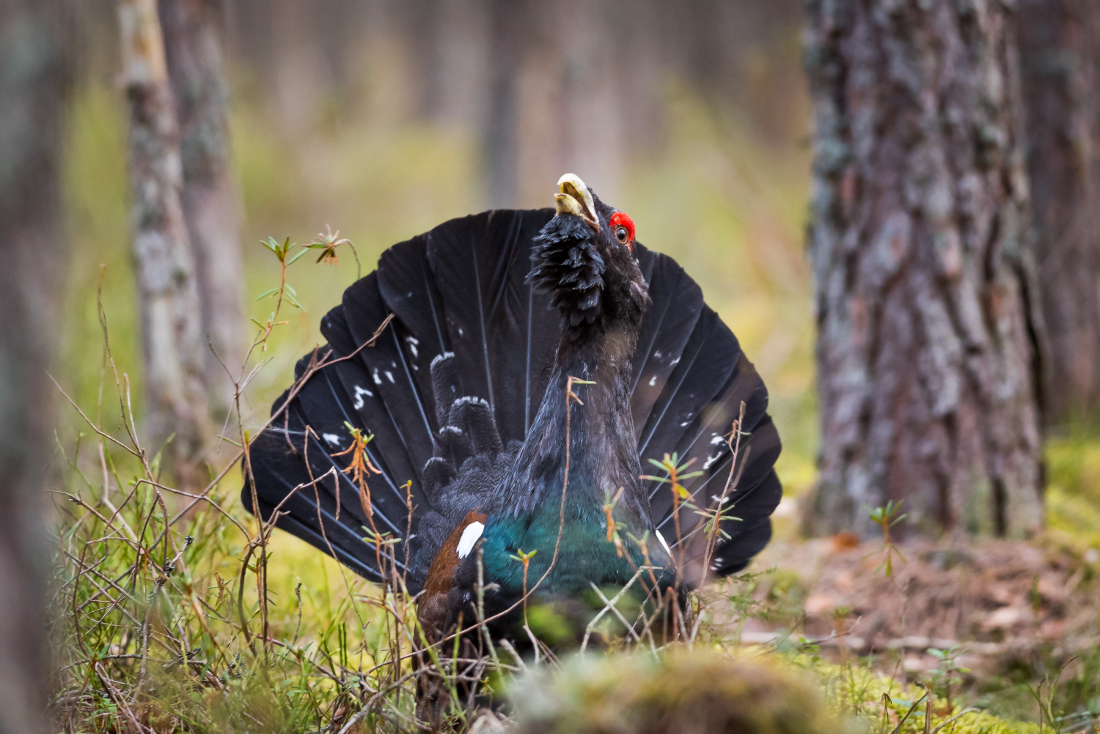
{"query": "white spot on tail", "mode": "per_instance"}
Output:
(710, 460)
(359, 393)
(664, 543)
(717, 440)
(469, 537)
(653, 381)
(377, 379)
(413, 341)
(332, 439)
(389, 376)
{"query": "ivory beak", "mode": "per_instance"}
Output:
(575, 198)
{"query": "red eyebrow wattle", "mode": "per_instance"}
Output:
(619, 219)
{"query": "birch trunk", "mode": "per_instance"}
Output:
(927, 336)
(210, 198)
(171, 330)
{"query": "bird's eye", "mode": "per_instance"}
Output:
(624, 229)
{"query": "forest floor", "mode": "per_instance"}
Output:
(1001, 597)
(1000, 619)
(171, 635)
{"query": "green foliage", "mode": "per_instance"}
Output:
(948, 675)
(886, 518)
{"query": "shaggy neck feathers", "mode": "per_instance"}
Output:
(601, 297)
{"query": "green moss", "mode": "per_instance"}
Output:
(680, 692)
(880, 701)
(549, 625)
(1073, 491)
(1073, 465)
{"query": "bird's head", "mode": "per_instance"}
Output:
(584, 257)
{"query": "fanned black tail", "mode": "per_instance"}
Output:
(460, 371)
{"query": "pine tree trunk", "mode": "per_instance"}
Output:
(32, 88)
(1060, 61)
(171, 331)
(210, 199)
(926, 353)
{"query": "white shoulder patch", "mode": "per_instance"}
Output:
(663, 541)
(469, 537)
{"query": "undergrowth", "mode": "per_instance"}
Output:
(175, 610)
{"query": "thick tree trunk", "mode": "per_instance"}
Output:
(1060, 60)
(926, 352)
(211, 201)
(170, 314)
(32, 82)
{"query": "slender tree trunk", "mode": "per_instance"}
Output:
(211, 201)
(458, 60)
(568, 116)
(170, 314)
(1060, 60)
(500, 143)
(32, 87)
(926, 353)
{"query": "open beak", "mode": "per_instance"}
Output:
(575, 198)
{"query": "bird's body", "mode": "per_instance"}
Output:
(521, 403)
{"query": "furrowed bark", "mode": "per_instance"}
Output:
(32, 86)
(210, 198)
(171, 330)
(1060, 61)
(928, 332)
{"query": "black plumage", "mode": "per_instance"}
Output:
(485, 309)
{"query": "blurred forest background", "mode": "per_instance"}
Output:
(383, 118)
